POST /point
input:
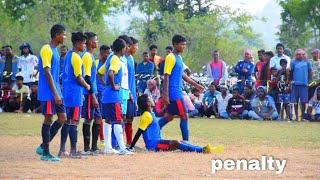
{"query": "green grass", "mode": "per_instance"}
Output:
(228, 132)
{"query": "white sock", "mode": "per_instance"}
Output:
(118, 132)
(107, 137)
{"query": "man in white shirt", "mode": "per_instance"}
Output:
(27, 64)
(222, 102)
(275, 60)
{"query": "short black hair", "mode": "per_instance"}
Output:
(143, 102)
(283, 61)
(104, 48)
(64, 46)
(145, 53)
(262, 51)
(7, 46)
(78, 37)
(280, 45)
(235, 88)
(213, 84)
(19, 78)
(118, 44)
(134, 40)
(153, 46)
(169, 48)
(269, 53)
(90, 35)
(178, 39)
(273, 69)
(56, 29)
(248, 86)
(127, 39)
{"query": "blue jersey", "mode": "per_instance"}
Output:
(300, 70)
(49, 57)
(249, 66)
(151, 135)
(131, 78)
(72, 90)
(90, 69)
(173, 66)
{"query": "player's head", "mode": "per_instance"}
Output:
(179, 43)
(169, 49)
(78, 40)
(19, 81)
(58, 33)
(134, 47)
(92, 40)
(119, 46)
(63, 50)
(153, 49)
(145, 103)
(261, 91)
(283, 63)
(145, 56)
(235, 91)
(104, 51)
(128, 41)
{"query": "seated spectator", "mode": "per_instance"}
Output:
(249, 95)
(152, 90)
(5, 93)
(263, 107)
(314, 104)
(196, 98)
(235, 107)
(144, 68)
(27, 64)
(21, 92)
(191, 110)
(31, 101)
(209, 100)
(222, 102)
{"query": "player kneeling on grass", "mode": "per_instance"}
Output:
(150, 129)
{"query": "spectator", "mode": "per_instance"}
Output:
(222, 102)
(284, 90)
(152, 90)
(21, 92)
(314, 104)
(154, 57)
(245, 69)
(27, 64)
(144, 68)
(258, 67)
(209, 100)
(301, 74)
(169, 49)
(5, 93)
(315, 64)
(196, 97)
(192, 111)
(9, 65)
(265, 71)
(275, 60)
(273, 89)
(263, 107)
(235, 106)
(248, 95)
(31, 101)
(63, 52)
(217, 69)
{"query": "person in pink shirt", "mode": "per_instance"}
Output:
(216, 69)
(192, 111)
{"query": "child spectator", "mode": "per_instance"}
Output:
(284, 90)
(258, 67)
(235, 106)
(152, 90)
(273, 89)
(191, 110)
(31, 102)
(314, 103)
(222, 102)
(5, 93)
(209, 100)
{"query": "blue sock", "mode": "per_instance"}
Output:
(162, 122)
(45, 132)
(114, 139)
(190, 148)
(64, 135)
(184, 129)
(73, 133)
(54, 129)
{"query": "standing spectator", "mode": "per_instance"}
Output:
(315, 64)
(222, 102)
(273, 89)
(144, 68)
(275, 61)
(258, 67)
(209, 100)
(301, 74)
(63, 52)
(284, 90)
(265, 71)
(154, 57)
(9, 65)
(169, 49)
(152, 90)
(235, 106)
(245, 69)
(31, 102)
(27, 64)
(263, 107)
(217, 69)
(191, 110)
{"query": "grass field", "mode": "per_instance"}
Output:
(297, 142)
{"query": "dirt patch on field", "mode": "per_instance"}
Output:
(18, 160)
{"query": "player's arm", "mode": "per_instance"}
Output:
(192, 82)
(101, 72)
(145, 121)
(46, 56)
(169, 63)
(76, 64)
(115, 66)
(87, 65)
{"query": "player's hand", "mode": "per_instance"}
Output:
(199, 87)
(57, 100)
(116, 87)
(165, 100)
(95, 101)
(88, 87)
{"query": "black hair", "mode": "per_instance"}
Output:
(269, 53)
(153, 46)
(64, 46)
(127, 39)
(273, 69)
(236, 88)
(34, 83)
(212, 84)
(143, 102)
(104, 48)
(170, 48)
(6, 80)
(248, 86)
(178, 39)
(262, 51)
(134, 40)
(19, 78)
(118, 45)
(90, 35)
(145, 53)
(7, 46)
(78, 37)
(56, 29)
(280, 45)
(283, 61)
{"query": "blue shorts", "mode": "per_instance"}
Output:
(73, 114)
(88, 111)
(50, 108)
(284, 97)
(131, 109)
(111, 112)
(299, 92)
(177, 107)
